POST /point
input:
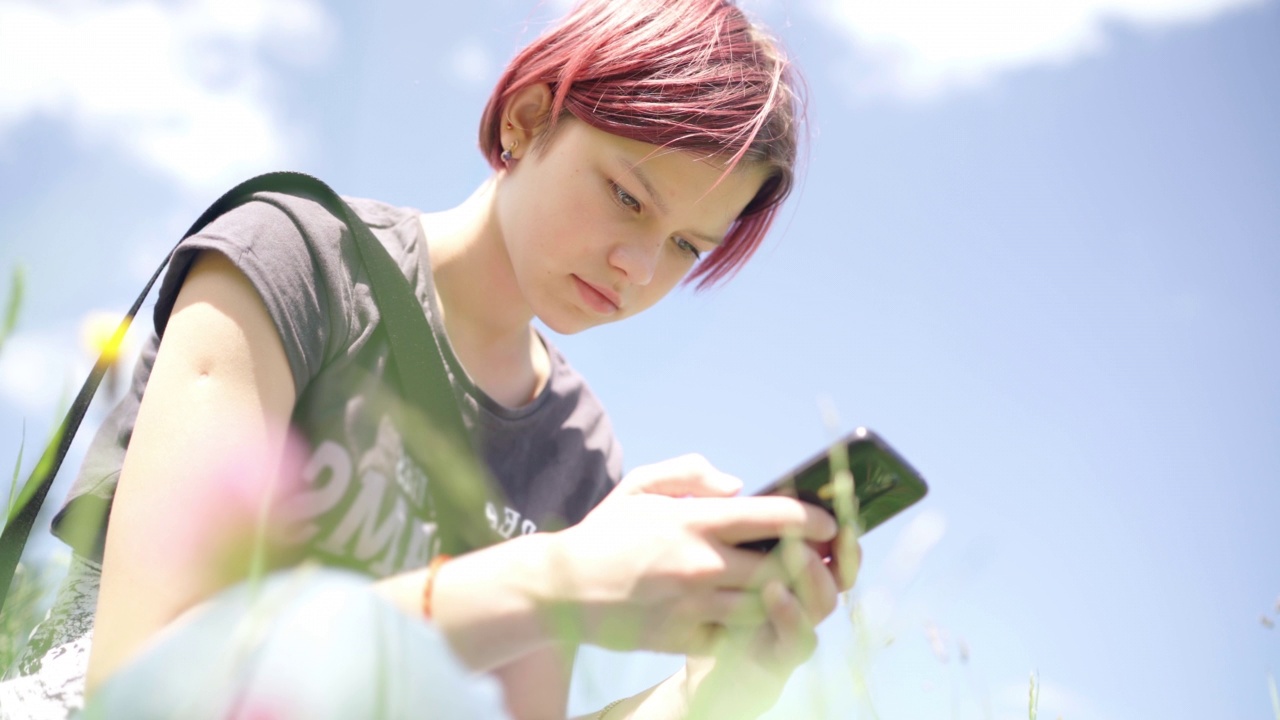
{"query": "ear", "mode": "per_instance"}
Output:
(525, 117)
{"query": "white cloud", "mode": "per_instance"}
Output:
(36, 371)
(921, 49)
(182, 86)
(471, 64)
(41, 371)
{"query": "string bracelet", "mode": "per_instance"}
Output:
(430, 582)
(608, 707)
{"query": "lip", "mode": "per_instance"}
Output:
(601, 299)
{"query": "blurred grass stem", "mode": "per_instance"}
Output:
(14, 304)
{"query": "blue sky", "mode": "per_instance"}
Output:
(1037, 247)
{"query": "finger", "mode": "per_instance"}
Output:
(740, 520)
(684, 476)
(733, 609)
(816, 589)
(795, 556)
(807, 578)
(826, 549)
(793, 636)
(747, 569)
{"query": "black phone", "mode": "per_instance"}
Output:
(884, 482)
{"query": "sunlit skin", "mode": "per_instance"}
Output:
(584, 228)
(581, 229)
(625, 218)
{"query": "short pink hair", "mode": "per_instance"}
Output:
(692, 75)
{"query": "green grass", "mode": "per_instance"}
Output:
(22, 610)
(14, 304)
(1033, 698)
(25, 607)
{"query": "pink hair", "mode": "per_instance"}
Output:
(693, 75)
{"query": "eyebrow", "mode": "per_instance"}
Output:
(662, 205)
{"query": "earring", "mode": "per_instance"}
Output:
(506, 154)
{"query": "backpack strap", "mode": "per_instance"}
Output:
(434, 433)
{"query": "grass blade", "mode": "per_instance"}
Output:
(42, 468)
(14, 305)
(1033, 701)
(17, 468)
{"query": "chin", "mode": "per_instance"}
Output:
(565, 317)
(562, 325)
(568, 319)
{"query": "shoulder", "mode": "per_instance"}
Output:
(296, 240)
(399, 230)
(310, 218)
(299, 259)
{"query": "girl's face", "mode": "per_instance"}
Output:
(599, 227)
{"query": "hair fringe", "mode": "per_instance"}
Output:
(693, 75)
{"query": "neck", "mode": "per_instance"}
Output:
(481, 302)
(485, 314)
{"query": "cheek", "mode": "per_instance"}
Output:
(586, 209)
(563, 216)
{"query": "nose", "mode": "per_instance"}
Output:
(637, 258)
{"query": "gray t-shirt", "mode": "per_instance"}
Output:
(363, 503)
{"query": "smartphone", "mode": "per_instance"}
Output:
(884, 482)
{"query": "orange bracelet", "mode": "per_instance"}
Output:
(430, 583)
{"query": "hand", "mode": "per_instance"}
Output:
(655, 566)
(742, 671)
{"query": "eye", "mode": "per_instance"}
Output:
(624, 198)
(687, 247)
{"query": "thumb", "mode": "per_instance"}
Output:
(685, 476)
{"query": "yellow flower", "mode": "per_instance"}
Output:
(99, 333)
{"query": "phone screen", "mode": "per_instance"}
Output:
(884, 483)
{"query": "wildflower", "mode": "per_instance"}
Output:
(100, 336)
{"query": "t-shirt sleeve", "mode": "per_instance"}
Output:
(293, 252)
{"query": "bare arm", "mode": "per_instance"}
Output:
(221, 390)
(649, 568)
(643, 571)
(537, 685)
(212, 422)
(210, 427)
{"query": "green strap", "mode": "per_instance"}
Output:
(430, 422)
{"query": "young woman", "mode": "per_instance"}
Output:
(636, 145)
